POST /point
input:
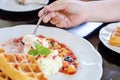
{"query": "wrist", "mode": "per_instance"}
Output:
(83, 13)
(101, 11)
(90, 11)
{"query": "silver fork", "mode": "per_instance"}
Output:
(39, 21)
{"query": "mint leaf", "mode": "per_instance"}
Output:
(33, 52)
(40, 50)
(44, 51)
(37, 45)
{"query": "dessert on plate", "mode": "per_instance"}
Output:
(23, 2)
(33, 57)
(115, 37)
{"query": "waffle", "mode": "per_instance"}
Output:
(19, 67)
(115, 37)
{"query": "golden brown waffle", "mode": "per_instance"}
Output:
(2, 50)
(19, 67)
(3, 76)
(115, 37)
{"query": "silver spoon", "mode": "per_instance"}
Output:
(39, 21)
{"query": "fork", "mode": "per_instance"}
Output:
(39, 21)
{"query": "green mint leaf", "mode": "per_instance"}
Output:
(33, 52)
(40, 50)
(37, 45)
(44, 51)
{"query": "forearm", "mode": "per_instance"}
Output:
(102, 11)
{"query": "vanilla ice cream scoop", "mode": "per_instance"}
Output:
(51, 64)
(29, 40)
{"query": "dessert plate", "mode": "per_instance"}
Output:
(89, 60)
(13, 6)
(105, 34)
(12, 11)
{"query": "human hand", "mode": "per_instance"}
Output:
(64, 13)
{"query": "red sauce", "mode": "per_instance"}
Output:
(69, 67)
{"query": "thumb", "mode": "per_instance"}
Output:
(56, 6)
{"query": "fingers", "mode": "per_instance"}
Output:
(41, 12)
(58, 18)
(56, 6)
(62, 24)
(53, 13)
(48, 17)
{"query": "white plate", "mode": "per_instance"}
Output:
(11, 5)
(105, 34)
(90, 61)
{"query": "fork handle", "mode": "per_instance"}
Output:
(39, 21)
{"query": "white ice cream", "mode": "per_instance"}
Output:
(50, 64)
(29, 40)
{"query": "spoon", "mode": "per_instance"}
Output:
(39, 21)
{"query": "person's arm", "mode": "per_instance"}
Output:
(64, 13)
(67, 13)
(103, 11)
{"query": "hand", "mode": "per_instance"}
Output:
(64, 13)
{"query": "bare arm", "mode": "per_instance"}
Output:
(68, 13)
(103, 11)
